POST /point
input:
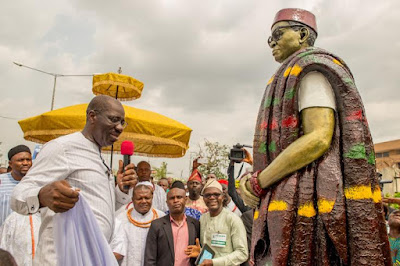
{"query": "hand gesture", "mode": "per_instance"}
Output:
(248, 159)
(193, 251)
(207, 263)
(246, 192)
(127, 177)
(196, 164)
(58, 196)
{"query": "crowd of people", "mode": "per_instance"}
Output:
(165, 222)
(152, 222)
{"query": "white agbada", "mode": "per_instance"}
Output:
(77, 160)
(130, 240)
(16, 236)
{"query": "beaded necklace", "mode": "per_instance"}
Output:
(141, 224)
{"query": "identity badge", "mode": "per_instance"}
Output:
(218, 240)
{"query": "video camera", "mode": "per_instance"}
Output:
(237, 153)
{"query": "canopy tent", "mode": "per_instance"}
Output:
(154, 135)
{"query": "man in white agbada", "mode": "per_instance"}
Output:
(75, 160)
(159, 196)
(19, 235)
(130, 235)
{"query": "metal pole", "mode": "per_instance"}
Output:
(55, 78)
(112, 149)
(112, 146)
(54, 92)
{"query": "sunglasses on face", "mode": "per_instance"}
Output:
(278, 33)
(210, 195)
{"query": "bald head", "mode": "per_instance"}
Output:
(105, 120)
(144, 171)
(101, 103)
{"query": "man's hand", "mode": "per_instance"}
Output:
(247, 193)
(193, 251)
(196, 164)
(248, 159)
(58, 196)
(127, 177)
(207, 263)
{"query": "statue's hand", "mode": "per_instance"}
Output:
(250, 199)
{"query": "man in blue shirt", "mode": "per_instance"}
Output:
(20, 160)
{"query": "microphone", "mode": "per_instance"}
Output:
(127, 148)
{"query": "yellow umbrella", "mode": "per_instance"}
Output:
(153, 134)
(122, 87)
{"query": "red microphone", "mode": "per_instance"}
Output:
(127, 148)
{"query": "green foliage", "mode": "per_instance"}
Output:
(217, 156)
(393, 205)
(161, 171)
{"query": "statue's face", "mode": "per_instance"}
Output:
(284, 41)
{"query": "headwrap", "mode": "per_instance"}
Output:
(195, 176)
(223, 181)
(18, 149)
(211, 183)
(146, 183)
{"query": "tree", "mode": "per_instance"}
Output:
(216, 156)
(161, 171)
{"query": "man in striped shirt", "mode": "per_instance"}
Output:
(20, 160)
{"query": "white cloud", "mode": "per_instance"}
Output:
(203, 63)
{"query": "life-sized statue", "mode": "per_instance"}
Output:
(314, 183)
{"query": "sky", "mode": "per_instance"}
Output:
(203, 63)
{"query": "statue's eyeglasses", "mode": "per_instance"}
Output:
(278, 33)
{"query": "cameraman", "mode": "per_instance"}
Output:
(231, 182)
(247, 212)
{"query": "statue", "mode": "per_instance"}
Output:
(314, 182)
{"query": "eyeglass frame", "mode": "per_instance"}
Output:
(115, 123)
(208, 196)
(271, 38)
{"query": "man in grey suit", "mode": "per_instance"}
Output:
(170, 235)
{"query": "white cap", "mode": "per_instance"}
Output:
(211, 183)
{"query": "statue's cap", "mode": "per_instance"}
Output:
(298, 15)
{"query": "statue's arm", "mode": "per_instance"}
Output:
(318, 125)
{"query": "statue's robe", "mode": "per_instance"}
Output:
(330, 211)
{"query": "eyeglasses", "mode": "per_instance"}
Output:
(278, 33)
(115, 120)
(209, 195)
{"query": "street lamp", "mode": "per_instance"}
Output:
(55, 79)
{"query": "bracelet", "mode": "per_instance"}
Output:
(255, 185)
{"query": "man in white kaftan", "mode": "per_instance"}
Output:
(159, 195)
(19, 235)
(75, 161)
(130, 235)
